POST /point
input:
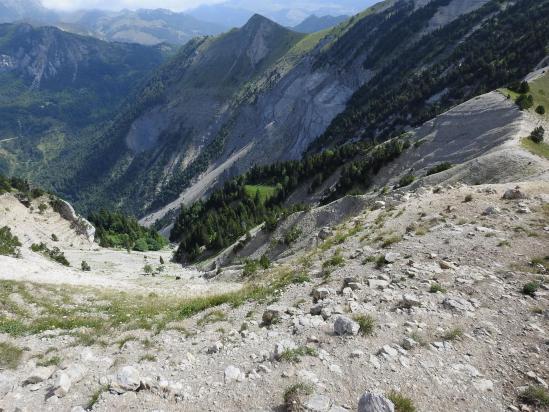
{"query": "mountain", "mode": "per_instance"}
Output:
(436, 281)
(244, 98)
(15, 10)
(57, 87)
(285, 12)
(149, 27)
(314, 23)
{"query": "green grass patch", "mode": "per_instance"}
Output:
(390, 240)
(435, 288)
(335, 261)
(536, 396)
(54, 360)
(293, 396)
(264, 192)
(295, 355)
(530, 288)
(367, 324)
(402, 403)
(453, 334)
(539, 149)
(107, 313)
(439, 168)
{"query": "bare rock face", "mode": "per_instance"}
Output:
(370, 402)
(78, 223)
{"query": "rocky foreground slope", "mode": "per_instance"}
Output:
(421, 295)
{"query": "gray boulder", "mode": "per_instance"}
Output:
(514, 194)
(370, 402)
(345, 326)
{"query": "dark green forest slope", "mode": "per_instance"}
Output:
(56, 90)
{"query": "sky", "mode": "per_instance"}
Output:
(175, 5)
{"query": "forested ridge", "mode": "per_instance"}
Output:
(229, 213)
(478, 52)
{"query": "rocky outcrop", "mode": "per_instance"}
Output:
(78, 223)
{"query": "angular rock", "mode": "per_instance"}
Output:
(76, 372)
(458, 304)
(514, 194)
(126, 379)
(392, 257)
(491, 210)
(232, 373)
(409, 300)
(215, 348)
(446, 265)
(318, 403)
(370, 402)
(320, 294)
(484, 385)
(283, 346)
(389, 351)
(345, 326)
(62, 385)
(378, 284)
(409, 343)
(272, 315)
(378, 204)
(325, 233)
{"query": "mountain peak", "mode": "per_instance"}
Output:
(257, 20)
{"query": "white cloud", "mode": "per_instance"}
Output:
(176, 5)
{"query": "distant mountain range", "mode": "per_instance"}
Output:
(287, 13)
(150, 27)
(314, 23)
(147, 27)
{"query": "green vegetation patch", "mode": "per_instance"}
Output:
(9, 243)
(54, 254)
(264, 193)
(117, 230)
(402, 403)
(540, 149)
(439, 168)
(536, 396)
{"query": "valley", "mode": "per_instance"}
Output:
(351, 219)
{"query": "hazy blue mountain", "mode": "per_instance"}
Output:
(17, 10)
(285, 12)
(143, 26)
(314, 23)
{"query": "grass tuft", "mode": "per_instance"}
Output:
(536, 396)
(10, 355)
(401, 402)
(367, 324)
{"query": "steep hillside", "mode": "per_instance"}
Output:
(193, 142)
(435, 299)
(482, 140)
(314, 23)
(56, 88)
(149, 27)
